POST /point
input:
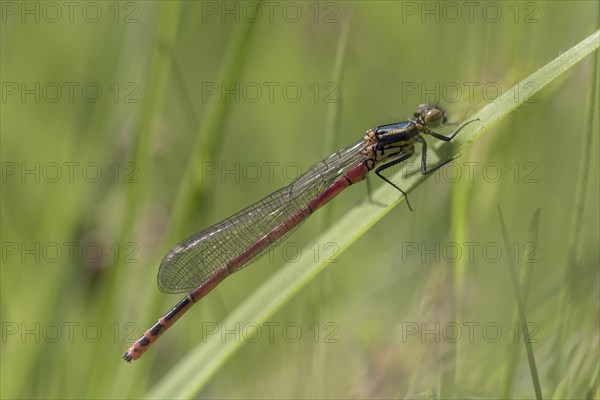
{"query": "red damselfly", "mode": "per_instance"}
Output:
(199, 263)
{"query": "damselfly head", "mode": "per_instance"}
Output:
(431, 114)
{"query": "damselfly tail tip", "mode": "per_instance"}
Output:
(132, 353)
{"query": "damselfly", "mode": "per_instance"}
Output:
(202, 261)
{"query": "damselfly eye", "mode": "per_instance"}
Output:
(434, 117)
(422, 110)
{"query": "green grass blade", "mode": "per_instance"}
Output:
(593, 391)
(524, 287)
(332, 132)
(207, 138)
(189, 376)
(521, 309)
(579, 221)
(159, 80)
(332, 127)
(535, 82)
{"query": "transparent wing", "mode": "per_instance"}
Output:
(195, 259)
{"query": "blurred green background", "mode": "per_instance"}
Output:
(128, 126)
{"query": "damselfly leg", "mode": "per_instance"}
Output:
(414, 134)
